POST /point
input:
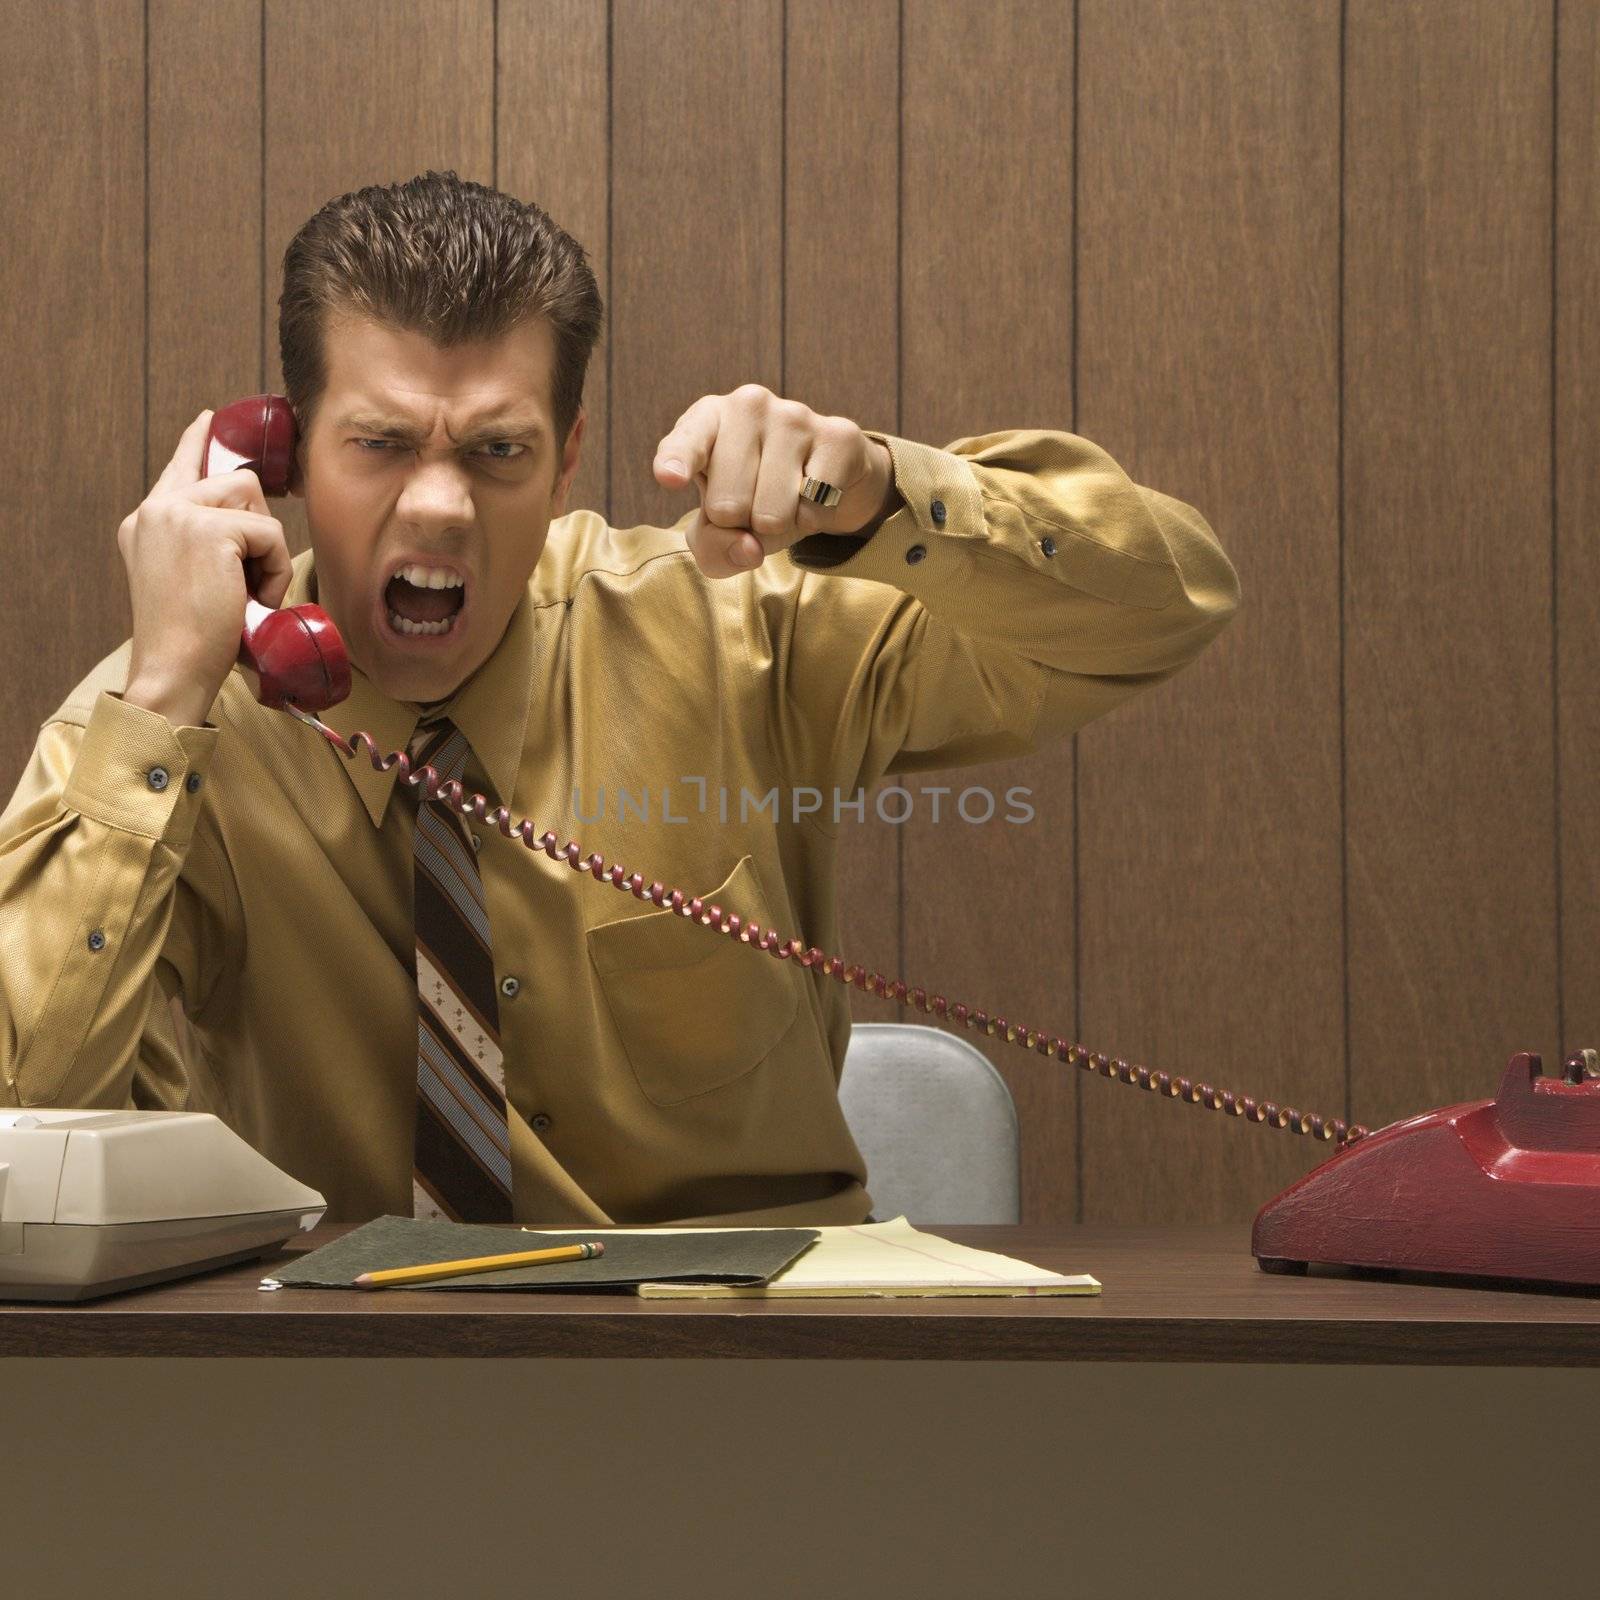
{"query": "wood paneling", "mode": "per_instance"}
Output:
(72, 285)
(986, 344)
(1577, 463)
(1449, 756)
(553, 142)
(351, 102)
(841, 339)
(1209, 850)
(697, 214)
(204, 243)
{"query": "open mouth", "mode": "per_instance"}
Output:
(423, 604)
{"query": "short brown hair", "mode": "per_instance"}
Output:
(444, 257)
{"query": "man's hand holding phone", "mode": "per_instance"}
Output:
(185, 549)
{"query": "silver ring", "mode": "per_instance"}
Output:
(820, 493)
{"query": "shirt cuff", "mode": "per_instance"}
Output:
(942, 502)
(136, 772)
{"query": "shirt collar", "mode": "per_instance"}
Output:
(490, 708)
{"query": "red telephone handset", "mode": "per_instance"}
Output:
(296, 651)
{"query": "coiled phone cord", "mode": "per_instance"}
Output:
(695, 909)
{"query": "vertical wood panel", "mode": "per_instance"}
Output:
(986, 296)
(1209, 812)
(72, 332)
(206, 290)
(1447, 538)
(553, 140)
(696, 207)
(840, 337)
(1577, 356)
(350, 103)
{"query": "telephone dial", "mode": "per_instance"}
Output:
(1501, 1189)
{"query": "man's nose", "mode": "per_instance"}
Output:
(437, 491)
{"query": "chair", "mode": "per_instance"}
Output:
(935, 1122)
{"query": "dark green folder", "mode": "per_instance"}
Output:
(741, 1256)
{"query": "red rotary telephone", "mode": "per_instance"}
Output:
(295, 651)
(1504, 1188)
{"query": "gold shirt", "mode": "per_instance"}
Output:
(1025, 587)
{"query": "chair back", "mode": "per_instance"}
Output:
(935, 1122)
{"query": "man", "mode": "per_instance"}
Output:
(419, 1015)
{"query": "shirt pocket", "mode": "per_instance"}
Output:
(694, 1010)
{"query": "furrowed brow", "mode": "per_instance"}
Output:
(377, 426)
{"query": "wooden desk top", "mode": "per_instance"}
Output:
(1171, 1293)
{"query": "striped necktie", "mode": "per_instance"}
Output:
(462, 1160)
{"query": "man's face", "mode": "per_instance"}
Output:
(439, 460)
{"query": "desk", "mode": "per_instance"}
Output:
(1170, 1294)
(1199, 1428)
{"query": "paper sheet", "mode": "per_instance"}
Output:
(888, 1258)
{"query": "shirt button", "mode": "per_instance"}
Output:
(157, 778)
(1048, 545)
(916, 553)
(477, 843)
(540, 1123)
(97, 940)
(936, 511)
(510, 987)
(192, 782)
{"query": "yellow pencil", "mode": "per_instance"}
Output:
(451, 1269)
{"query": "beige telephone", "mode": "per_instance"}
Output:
(92, 1202)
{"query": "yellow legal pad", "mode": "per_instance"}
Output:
(879, 1258)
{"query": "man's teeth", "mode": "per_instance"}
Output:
(406, 625)
(430, 577)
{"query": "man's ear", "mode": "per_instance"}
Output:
(297, 482)
(569, 464)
